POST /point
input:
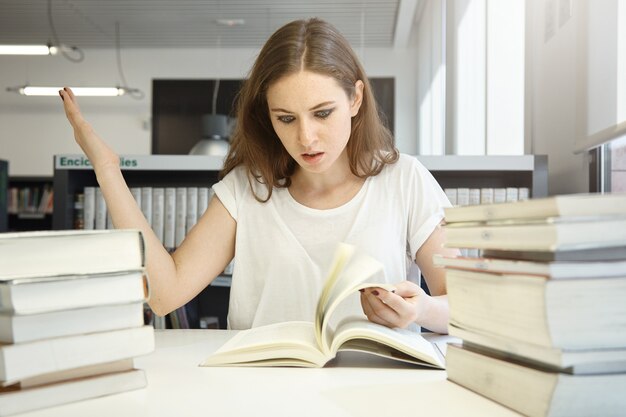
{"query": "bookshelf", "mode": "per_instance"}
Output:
(72, 173)
(493, 171)
(29, 203)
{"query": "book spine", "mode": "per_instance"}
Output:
(462, 196)
(499, 195)
(174, 319)
(486, 195)
(474, 196)
(203, 200)
(451, 193)
(181, 215)
(192, 207)
(101, 211)
(146, 203)
(136, 192)
(169, 232)
(523, 193)
(511, 194)
(159, 322)
(158, 212)
(89, 211)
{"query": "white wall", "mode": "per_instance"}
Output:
(554, 96)
(33, 129)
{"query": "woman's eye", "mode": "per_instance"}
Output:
(322, 114)
(286, 119)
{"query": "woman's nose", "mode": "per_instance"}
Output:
(306, 134)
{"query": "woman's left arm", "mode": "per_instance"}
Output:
(410, 303)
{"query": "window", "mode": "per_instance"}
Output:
(471, 77)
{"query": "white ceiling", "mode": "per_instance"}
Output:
(193, 23)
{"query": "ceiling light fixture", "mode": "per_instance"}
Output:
(231, 22)
(28, 90)
(28, 50)
(71, 53)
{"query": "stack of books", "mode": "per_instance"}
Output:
(541, 314)
(71, 316)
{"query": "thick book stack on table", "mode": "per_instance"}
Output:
(541, 314)
(71, 316)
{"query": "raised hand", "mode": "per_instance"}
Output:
(98, 152)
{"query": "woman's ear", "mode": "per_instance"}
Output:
(357, 99)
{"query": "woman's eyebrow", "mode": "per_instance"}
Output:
(317, 106)
(326, 103)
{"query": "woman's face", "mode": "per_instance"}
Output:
(311, 114)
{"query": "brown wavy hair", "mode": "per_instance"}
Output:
(312, 45)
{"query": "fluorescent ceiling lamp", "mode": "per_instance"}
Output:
(231, 22)
(28, 50)
(78, 91)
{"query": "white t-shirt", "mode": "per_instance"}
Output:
(283, 248)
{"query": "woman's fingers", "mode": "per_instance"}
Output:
(388, 308)
(404, 307)
(69, 102)
(70, 92)
(372, 311)
(407, 289)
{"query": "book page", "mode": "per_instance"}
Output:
(273, 344)
(326, 331)
(343, 253)
(347, 275)
(399, 344)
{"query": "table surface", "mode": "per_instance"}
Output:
(352, 385)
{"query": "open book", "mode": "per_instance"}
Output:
(313, 344)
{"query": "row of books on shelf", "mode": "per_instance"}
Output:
(541, 315)
(473, 196)
(170, 211)
(71, 317)
(30, 200)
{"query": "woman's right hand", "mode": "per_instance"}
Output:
(98, 152)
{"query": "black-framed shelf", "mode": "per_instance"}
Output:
(492, 171)
(72, 173)
(29, 215)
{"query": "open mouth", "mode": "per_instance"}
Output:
(312, 156)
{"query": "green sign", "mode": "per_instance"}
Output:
(81, 161)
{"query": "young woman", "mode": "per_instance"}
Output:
(310, 165)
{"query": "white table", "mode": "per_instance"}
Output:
(353, 385)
